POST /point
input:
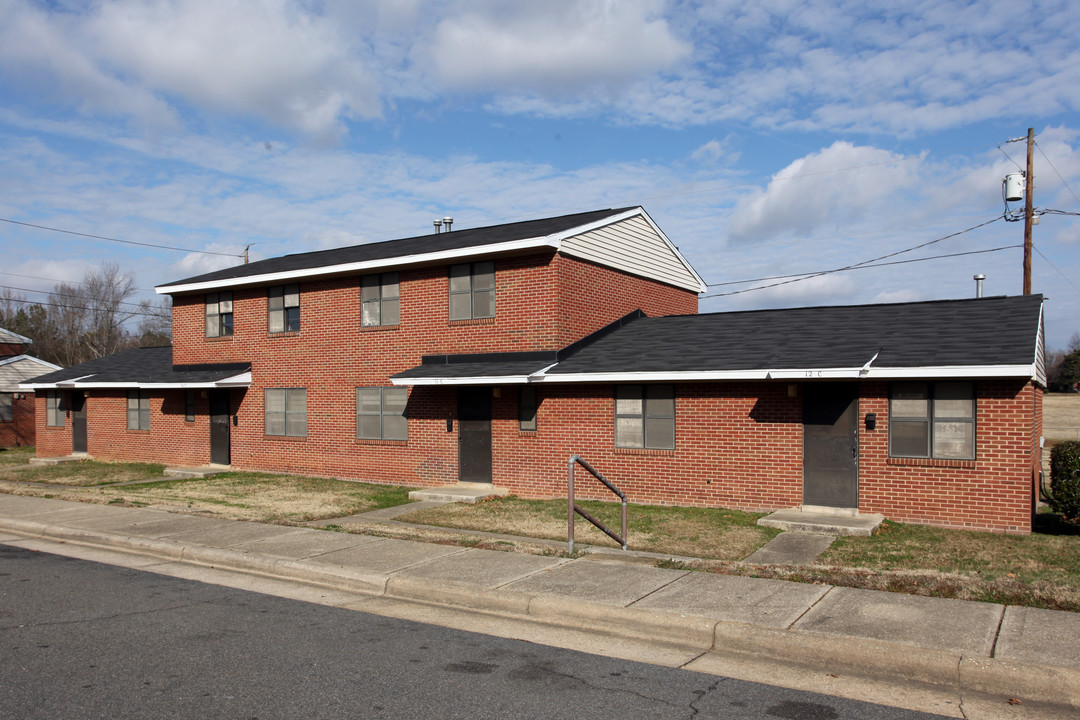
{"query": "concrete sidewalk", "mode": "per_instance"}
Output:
(967, 646)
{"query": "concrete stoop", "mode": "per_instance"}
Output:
(462, 492)
(74, 457)
(822, 523)
(195, 472)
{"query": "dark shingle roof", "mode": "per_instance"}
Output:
(480, 365)
(984, 331)
(143, 365)
(423, 244)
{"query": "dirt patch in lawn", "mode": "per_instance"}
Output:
(691, 532)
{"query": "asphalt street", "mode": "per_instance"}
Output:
(84, 640)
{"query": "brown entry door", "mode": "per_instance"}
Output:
(831, 444)
(474, 434)
(220, 435)
(78, 421)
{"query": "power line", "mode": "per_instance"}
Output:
(1077, 289)
(808, 276)
(1077, 199)
(60, 294)
(116, 240)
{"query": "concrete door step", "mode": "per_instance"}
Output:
(822, 523)
(74, 457)
(196, 472)
(462, 492)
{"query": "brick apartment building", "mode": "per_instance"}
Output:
(16, 405)
(492, 354)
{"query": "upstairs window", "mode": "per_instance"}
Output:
(138, 410)
(286, 412)
(219, 315)
(645, 416)
(472, 290)
(932, 420)
(380, 300)
(380, 413)
(283, 302)
(55, 408)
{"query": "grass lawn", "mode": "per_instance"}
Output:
(16, 455)
(694, 532)
(83, 474)
(260, 497)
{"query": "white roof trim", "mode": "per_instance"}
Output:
(847, 373)
(365, 266)
(473, 380)
(241, 380)
(31, 358)
(21, 338)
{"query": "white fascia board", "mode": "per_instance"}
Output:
(20, 338)
(242, 380)
(359, 267)
(702, 286)
(31, 358)
(850, 373)
(475, 380)
(58, 385)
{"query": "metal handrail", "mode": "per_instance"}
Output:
(573, 507)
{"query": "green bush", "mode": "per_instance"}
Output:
(1065, 480)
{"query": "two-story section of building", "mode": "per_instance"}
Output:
(285, 364)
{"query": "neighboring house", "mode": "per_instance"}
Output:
(491, 355)
(16, 405)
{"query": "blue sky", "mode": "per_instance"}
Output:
(765, 138)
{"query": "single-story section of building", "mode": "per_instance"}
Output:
(17, 426)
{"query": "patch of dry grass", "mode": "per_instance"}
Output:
(1061, 416)
(83, 474)
(13, 456)
(692, 532)
(260, 497)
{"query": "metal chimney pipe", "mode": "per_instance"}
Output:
(978, 284)
(448, 221)
(438, 226)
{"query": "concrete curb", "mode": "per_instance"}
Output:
(863, 657)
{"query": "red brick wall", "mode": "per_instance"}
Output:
(993, 492)
(738, 445)
(20, 431)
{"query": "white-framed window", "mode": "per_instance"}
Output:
(138, 410)
(380, 413)
(286, 412)
(380, 300)
(645, 416)
(932, 420)
(219, 314)
(472, 290)
(283, 305)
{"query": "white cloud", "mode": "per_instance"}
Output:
(556, 48)
(809, 194)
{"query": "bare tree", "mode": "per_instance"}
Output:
(106, 292)
(66, 323)
(155, 328)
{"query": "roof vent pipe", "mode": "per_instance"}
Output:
(448, 221)
(978, 284)
(438, 227)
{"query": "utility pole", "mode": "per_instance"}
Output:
(1028, 210)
